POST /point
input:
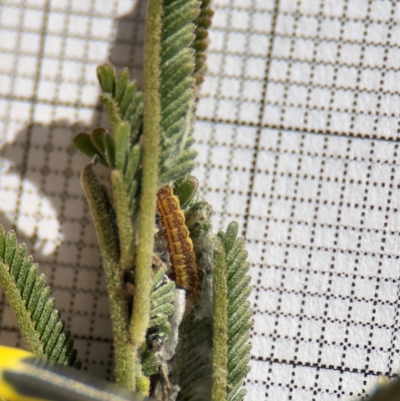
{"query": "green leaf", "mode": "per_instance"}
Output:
(121, 83)
(133, 163)
(186, 190)
(161, 302)
(112, 109)
(230, 236)
(173, 78)
(195, 360)
(106, 76)
(97, 138)
(109, 148)
(128, 98)
(177, 41)
(161, 308)
(178, 14)
(175, 111)
(18, 259)
(193, 368)
(83, 142)
(132, 197)
(31, 301)
(239, 312)
(177, 86)
(198, 214)
(122, 133)
(220, 324)
(124, 102)
(183, 87)
(177, 172)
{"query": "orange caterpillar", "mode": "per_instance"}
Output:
(180, 246)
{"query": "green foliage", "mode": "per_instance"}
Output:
(220, 324)
(195, 359)
(161, 308)
(99, 143)
(177, 94)
(239, 312)
(161, 303)
(31, 301)
(119, 150)
(123, 103)
(107, 232)
(186, 190)
(192, 366)
(121, 99)
(103, 213)
(203, 22)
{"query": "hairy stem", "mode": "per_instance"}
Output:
(124, 222)
(107, 235)
(124, 360)
(151, 150)
(220, 325)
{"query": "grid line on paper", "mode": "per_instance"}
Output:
(353, 127)
(312, 319)
(36, 80)
(284, 245)
(31, 114)
(261, 112)
(294, 363)
(330, 90)
(328, 285)
(396, 323)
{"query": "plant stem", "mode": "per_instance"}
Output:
(124, 360)
(124, 222)
(220, 325)
(151, 150)
(107, 235)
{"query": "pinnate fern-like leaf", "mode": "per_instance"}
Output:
(161, 302)
(121, 99)
(195, 359)
(119, 150)
(177, 93)
(123, 103)
(161, 308)
(99, 142)
(239, 312)
(31, 301)
(193, 362)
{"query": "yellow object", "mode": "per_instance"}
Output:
(11, 357)
(10, 360)
(143, 385)
(24, 377)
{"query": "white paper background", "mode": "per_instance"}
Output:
(297, 133)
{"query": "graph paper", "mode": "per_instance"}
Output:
(297, 135)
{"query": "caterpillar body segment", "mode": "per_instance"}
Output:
(180, 246)
(178, 234)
